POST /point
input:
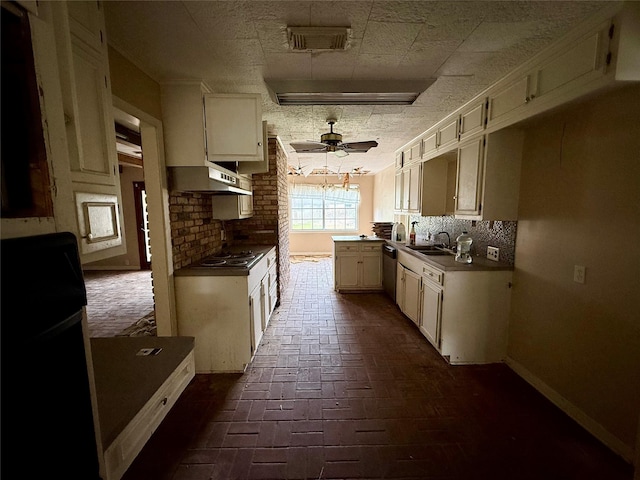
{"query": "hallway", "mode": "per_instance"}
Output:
(344, 386)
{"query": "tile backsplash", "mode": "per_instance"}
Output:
(498, 233)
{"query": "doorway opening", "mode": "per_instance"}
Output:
(120, 293)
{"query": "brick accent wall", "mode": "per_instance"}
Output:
(270, 222)
(283, 215)
(194, 233)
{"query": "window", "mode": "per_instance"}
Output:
(324, 207)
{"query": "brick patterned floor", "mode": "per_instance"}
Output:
(344, 386)
(116, 300)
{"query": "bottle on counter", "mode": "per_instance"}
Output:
(402, 234)
(463, 249)
(412, 234)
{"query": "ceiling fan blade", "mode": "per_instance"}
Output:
(308, 147)
(354, 147)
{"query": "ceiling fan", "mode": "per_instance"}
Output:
(332, 142)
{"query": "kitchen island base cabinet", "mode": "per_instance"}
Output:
(357, 264)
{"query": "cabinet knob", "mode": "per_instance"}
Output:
(259, 144)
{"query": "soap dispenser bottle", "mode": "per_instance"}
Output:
(412, 234)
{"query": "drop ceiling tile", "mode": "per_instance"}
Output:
(387, 38)
(352, 14)
(288, 66)
(491, 37)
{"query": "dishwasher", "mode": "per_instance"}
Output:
(389, 259)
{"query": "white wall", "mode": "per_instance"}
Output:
(384, 194)
(580, 205)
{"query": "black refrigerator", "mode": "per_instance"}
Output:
(47, 428)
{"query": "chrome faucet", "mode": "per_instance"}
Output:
(448, 245)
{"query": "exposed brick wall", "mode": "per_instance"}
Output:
(283, 215)
(270, 222)
(194, 233)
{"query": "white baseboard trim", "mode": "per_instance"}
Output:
(614, 443)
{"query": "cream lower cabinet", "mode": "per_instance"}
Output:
(357, 265)
(463, 314)
(408, 293)
(431, 293)
(256, 316)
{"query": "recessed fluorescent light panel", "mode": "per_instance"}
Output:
(355, 98)
(346, 92)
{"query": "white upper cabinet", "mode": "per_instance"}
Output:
(488, 176)
(469, 178)
(473, 118)
(234, 127)
(81, 53)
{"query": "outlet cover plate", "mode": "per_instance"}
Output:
(493, 253)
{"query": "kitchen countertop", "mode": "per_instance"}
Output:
(356, 238)
(126, 381)
(449, 264)
(195, 269)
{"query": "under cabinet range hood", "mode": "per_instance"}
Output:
(213, 179)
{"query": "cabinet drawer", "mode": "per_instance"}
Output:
(372, 248)
(432, 274)
(347, 248)
(271, 259)
(273, 276)
(124, 449)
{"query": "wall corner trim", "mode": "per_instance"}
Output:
(592, 426)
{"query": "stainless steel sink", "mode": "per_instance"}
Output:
(430, 249)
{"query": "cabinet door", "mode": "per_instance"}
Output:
(413, 203)
(584, 58)
(472, 119)
(448, 133)
(234, 127)
(412, 295)
(399, 160)
(430, 144)
(398, 192)
(469, 178)
(431, 312)
(264, 301)
(255, 307)
(508, 98)
(406, 189)
(400, 286)
(91, 128)
(371, 269)
(347, 270)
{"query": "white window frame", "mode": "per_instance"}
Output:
(324, 193)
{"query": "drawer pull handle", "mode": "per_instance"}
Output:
(164, 401)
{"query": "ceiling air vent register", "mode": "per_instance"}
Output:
(304, 39)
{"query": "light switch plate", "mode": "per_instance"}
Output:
(493, 253)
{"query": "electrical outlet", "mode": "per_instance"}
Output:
(493, 253)
(579, 273)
